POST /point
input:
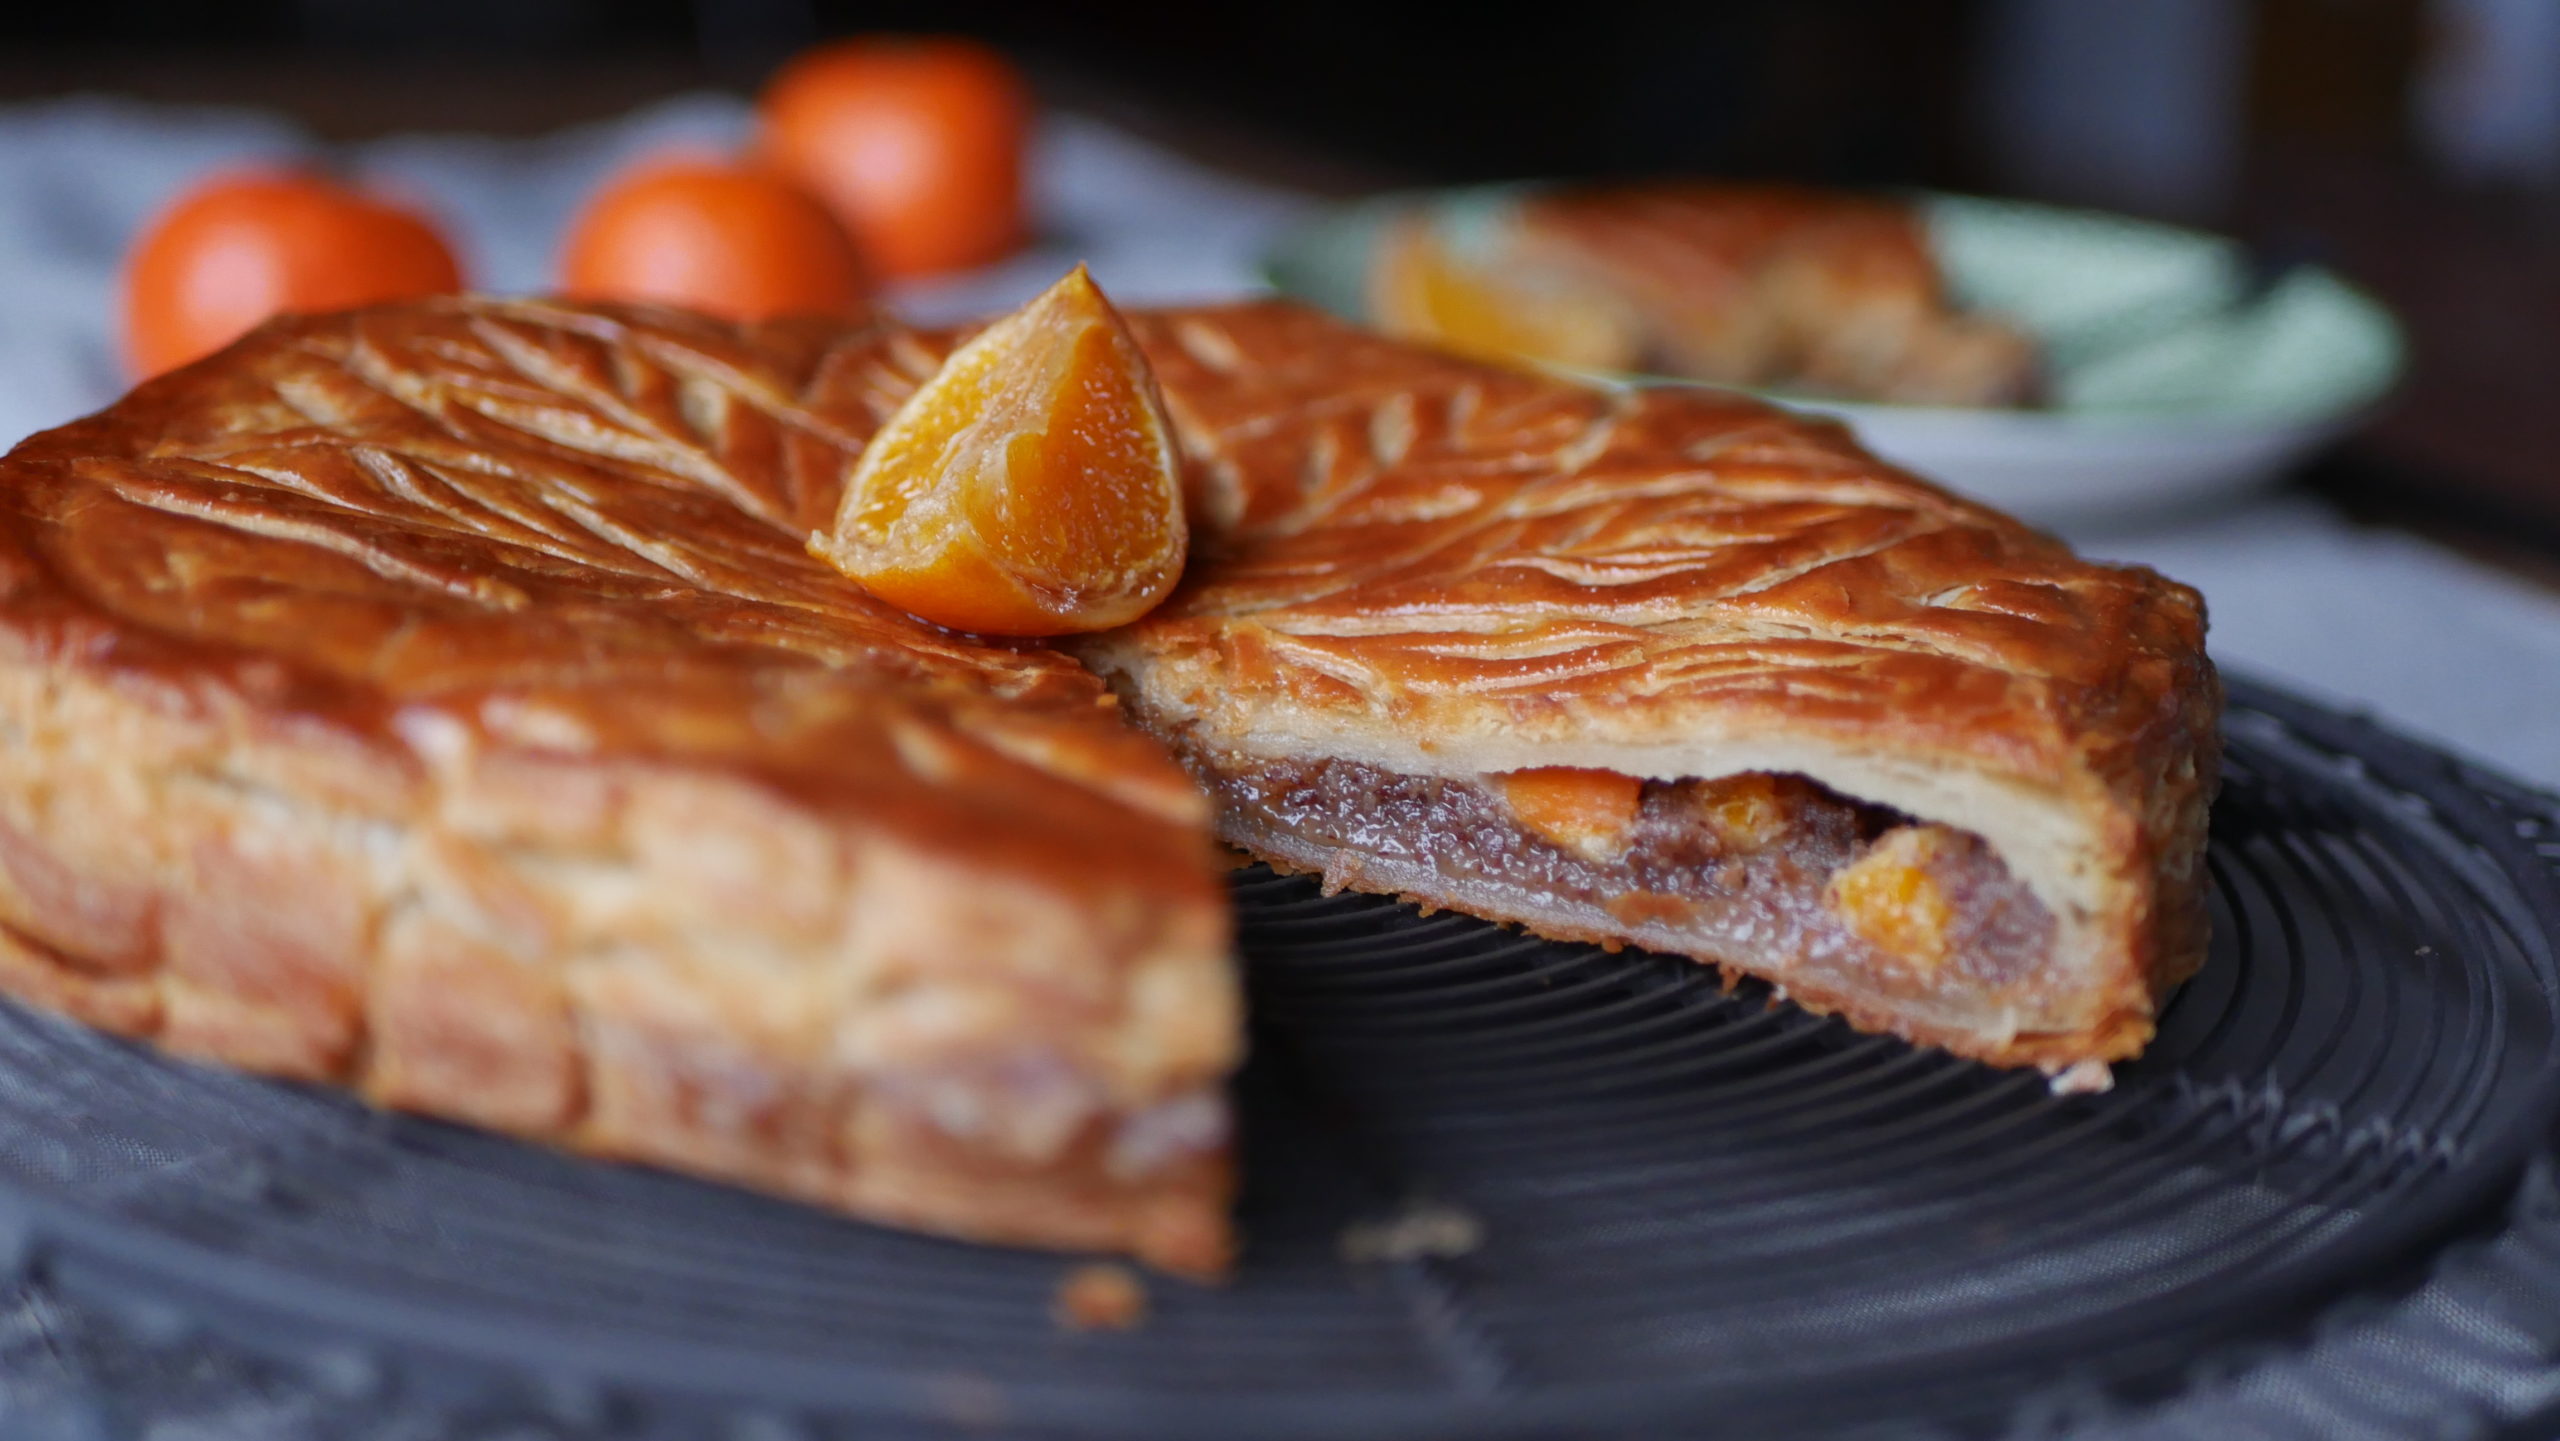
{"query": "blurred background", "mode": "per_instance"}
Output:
(2412, 146)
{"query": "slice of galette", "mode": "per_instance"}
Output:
(1665, 667)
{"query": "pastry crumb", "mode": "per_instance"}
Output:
(1100, 1297)
(1418, 1230)
(2083, 1078)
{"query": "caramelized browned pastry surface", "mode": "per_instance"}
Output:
(1712, 236)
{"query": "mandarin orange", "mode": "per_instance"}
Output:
(241, 247)
(1029, 488)
(726, 239)
(915, 142)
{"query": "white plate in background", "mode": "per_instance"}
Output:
(2173, 374)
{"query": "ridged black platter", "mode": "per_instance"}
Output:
(1692, 1210)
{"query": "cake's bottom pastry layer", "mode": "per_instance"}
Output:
(1847, 906)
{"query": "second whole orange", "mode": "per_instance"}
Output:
(240, 247)
(731, 240)
(916, 143)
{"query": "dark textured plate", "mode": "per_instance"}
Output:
(1691, 1208)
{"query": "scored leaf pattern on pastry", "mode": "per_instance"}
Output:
(583, 527)
(1422, 530)
(596, 502)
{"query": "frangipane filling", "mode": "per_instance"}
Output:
(1773, 872)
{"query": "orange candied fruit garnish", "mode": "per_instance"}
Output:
(1578, 809)
(1029, 487)
(1423, 289)
(1747, 811)
(1892, 899)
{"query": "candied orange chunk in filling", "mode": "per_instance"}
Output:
(1029, 488)
(1426, 290)
(1892, 899)
(1750, 811)
(1586, 811)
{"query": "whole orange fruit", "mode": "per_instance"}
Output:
(726, 239)
(243, 246)
(915, 142)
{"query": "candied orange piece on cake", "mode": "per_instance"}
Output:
(1029, 488)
